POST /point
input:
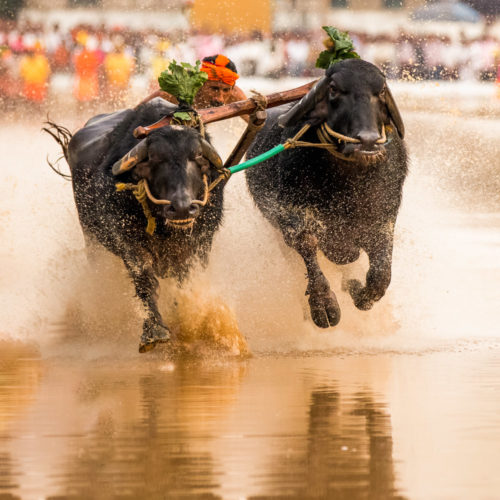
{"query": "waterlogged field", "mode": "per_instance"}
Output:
(398, 402)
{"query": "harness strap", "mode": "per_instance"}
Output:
(323, 144)
(223, 176)
(324, 133)
(142, 194)
(328, 132)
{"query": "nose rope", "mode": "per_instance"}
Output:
(324, 133)
(203, 202)
(142, 194)
(154, 200)
(324, 143)
(329, 132)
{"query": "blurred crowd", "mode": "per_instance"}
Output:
(102, 62)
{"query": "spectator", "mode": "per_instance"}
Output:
(9, 86)
(34, 70)
(118, 68)
(159, 62)
(61, 57)
(84, 48)
(87, 62)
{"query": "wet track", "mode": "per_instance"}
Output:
(399, 402)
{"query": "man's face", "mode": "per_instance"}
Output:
(212, 93)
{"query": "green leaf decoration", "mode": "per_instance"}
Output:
(182, 115)
(339, 47)
(182, 81)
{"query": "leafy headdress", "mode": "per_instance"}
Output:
(339, 46)
(183, 81)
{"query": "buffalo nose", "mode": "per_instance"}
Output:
(180, 209)
(368, 138)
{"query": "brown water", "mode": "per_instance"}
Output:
(399, 402)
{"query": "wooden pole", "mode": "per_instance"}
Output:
(210, 115)
(239, 108)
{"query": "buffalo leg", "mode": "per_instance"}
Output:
(154, 331)
(378, 277)
(325, 310)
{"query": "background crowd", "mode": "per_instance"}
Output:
(102, 63)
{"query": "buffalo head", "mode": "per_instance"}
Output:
(177, 165)
(353, 104)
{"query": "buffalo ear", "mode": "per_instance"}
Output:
(307, 104)
(394, 112)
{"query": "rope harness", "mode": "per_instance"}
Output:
(142, 192)
(326, 135)
(329, 140)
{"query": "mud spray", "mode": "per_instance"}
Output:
(251, 298)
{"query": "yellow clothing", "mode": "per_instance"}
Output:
(87, 81)
(158, 65)
(118, 68)
(34, 69)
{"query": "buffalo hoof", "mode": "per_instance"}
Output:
(362, 300)
(325, 310)
(153, 334)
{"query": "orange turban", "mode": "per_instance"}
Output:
(219, 71)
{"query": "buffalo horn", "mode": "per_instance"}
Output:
(394, 112)
(131, 159)
(208, 151)
(306, 104)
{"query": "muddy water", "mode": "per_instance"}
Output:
(399, 402)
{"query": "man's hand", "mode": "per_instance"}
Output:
(258, 117)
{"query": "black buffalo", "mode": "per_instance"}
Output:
(337, 201)
(178, 165)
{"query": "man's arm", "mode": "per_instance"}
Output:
(159, 93)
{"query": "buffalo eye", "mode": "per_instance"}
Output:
(334, 90)
(381, 94)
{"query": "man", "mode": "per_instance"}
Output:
(118, 69)
(218, 90)
(220, 87)
(34, 69)
(87, 61)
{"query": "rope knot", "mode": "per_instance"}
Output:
(259, 99)
(140, 191)
(189, 117)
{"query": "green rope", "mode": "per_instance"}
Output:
(258, 159)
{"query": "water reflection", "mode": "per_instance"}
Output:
(150, 432)
(351, 427)
(348, 453)
(20, 372)
(197, 429)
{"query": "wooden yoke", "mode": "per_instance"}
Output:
(210, 115)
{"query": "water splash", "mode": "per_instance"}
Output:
(445, 268)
